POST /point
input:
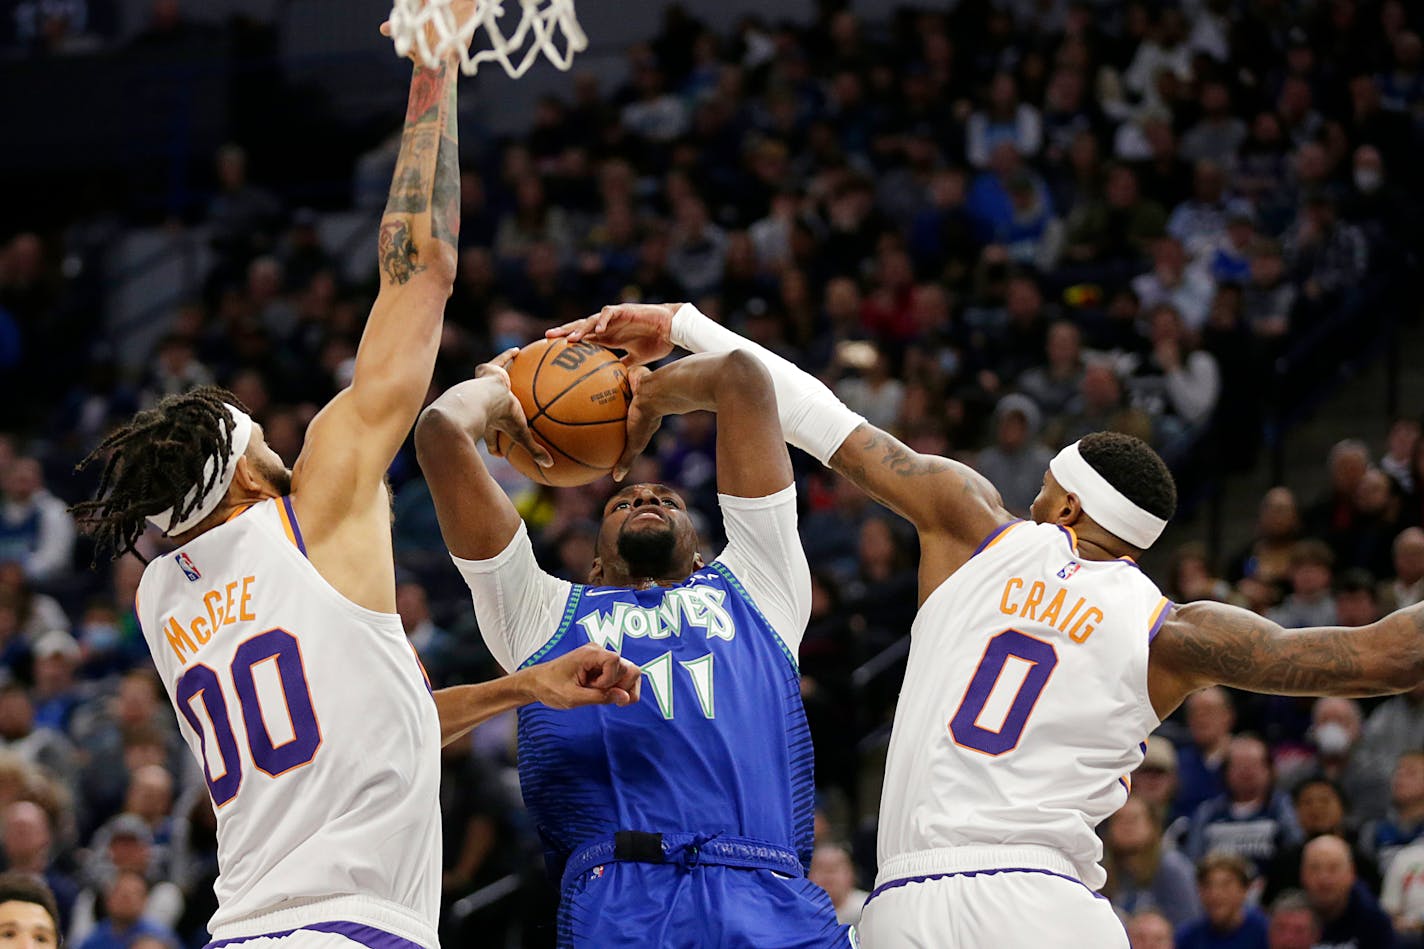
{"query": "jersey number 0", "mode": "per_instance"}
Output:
(201, 683)
(966, 727)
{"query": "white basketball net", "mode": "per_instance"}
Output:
(433, 30)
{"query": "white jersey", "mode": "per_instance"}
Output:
(315, 727)
(1024, 709)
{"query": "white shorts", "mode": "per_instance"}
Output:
(1007, 909)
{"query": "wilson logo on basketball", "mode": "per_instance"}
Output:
(575, 355)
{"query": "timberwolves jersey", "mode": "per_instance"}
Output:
(1024, 708)
(719, 741)
(314, 727)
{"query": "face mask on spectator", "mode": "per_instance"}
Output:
(1368, 180)
(1332, 738)
(100, 637)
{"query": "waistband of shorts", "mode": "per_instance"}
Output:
(946, 861)
(685, 850)
(300, 914)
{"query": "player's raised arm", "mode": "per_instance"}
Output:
(941, 497)
(352, 441)
(1203, 644)
(752, 461)
(477, 519)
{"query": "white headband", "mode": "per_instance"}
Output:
(1104, 503)
(241, 435)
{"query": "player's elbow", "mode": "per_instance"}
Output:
(742, 373)
(435, 431)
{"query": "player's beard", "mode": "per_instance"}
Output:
(648, 553)
(279, 477)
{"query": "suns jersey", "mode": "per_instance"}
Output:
(315, 728)
(1024, 708)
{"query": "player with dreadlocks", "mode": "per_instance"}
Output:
(273, 622)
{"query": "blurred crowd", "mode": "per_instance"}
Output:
(991, 231)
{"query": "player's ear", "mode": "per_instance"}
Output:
(697, 561)
(595, 573)
(245, 481)
(1070, 511)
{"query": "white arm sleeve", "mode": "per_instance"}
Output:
(518, 605)
(764, 553)
(812, 418)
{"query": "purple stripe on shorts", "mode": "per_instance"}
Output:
(368, 936)
(974, 873)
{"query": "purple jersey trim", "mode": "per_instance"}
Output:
(893, 884)
(368, 936)
(296, 528)
(993, 534)
(1157, 627)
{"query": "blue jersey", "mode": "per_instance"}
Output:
(689, 813)
(718, 744)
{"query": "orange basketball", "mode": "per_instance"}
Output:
(576, 397)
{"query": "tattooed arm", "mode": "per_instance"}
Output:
(1204, 644)
(339, 480)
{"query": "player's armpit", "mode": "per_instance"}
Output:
(1204, 644)
(937, 495)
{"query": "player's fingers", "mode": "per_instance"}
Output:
(631, 678)
(573, 329)
(640, 431)
(492, 443)
(518, 429)
(505, 358)
(386, 28)
(619, 697)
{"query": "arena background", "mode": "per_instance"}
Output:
(991, 226)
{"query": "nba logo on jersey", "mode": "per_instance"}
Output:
(1068, 570)
(190, 569)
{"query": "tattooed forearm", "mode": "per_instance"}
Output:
(400, 258)
(1209, 643)
(424, 200)
(923, 488)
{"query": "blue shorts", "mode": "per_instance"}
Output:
(622, 905)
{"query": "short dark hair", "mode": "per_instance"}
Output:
(20, 887)
(154, 463)
(1232, 863)
(1131, 466)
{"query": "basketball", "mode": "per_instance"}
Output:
(576, 397)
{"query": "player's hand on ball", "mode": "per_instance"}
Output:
(503, 411)
(643, 420)
(642, 330)
(590, 675)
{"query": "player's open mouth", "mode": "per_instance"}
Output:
(655, 515)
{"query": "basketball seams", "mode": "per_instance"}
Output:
(545, 407)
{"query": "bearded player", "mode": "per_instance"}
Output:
(273, 623)
(685, 821)
(1040, 660)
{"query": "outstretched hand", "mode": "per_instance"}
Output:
(505, 414)
(642, 330)
(590, 675)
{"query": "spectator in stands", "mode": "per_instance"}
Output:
(1177, 384)
(1269, 298)
(1117, 229)
(1310, 602)
(1349, 914)
(1404, 825)
(1251, 818)
(1219, 133)
(1356, 599)
(1155, 784)
(43, 747)
(1190, 576)
(57, 692)
(1294, 924)
(28, 843)
(1222, 880)
(27, 912)
(125, 900)
(1200, 224)
(1400, 444)
(36, 530)
(1149, 929)
(125, 846)
(833, 871)
(1268, 558)
(1099, 406)
(1015, 463)
(1053, 384)
(434, 646)
(1210, 718)
(1327, 256)
(1144, 871)
(1402, 895)
(37, 613)
(1188, 289)
(1335, 729)
(1334, 513)
(1005, 119)
(1320, 809)
(873, 390)
(1367, 542)
(1407, 587)
(244, 218)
